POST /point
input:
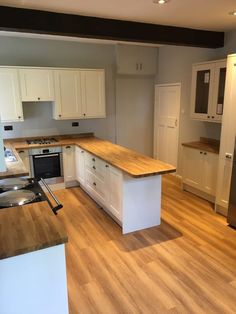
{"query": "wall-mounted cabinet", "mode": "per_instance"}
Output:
(207, 91)
(68, 94)
(136, 60)
(36, 84)
(10, 96)
(200, 170)
(79, 94)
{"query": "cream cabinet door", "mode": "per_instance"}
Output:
(209, 172)
(114, 200)
(68, 154)
(223, 182)
(80, 165)
(93, 93)
(36, 84)
(68, 98)
(192, 167)
(10, 97)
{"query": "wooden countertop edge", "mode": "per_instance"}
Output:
(32, 249)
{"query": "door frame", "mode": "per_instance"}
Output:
(155, 122)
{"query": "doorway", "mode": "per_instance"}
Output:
(166, 122)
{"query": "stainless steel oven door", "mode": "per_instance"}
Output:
(46, 165)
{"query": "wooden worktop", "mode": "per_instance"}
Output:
(205, 144)
(29, 228)
(130, 162)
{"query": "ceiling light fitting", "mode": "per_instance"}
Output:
(160, 1)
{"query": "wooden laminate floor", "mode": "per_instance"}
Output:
(186, 265)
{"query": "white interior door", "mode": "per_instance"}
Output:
(166, 123)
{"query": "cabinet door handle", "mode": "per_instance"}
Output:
(21, 151)
(67, 147)
(94, 183)
(94, 167)
(228, 156)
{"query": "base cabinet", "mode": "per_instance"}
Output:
(223, 183)
(134, 203)
(200, 170)
(68, 154)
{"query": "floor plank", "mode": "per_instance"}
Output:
(186, 265)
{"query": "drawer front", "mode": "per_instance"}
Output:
(96, 166)
(96, 185)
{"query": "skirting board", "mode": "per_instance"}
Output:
(199, 193)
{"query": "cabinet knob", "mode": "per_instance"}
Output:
(228, 156)
(19, 117)
(93, 159)
(67, 147)
(107, 166)
(59, 115)
(200, 152)
(205, 153)
(94, 167)
(208, 117)
(38, 98)
(213, 117)
(94, 183)
(84, 114)
(82, 151)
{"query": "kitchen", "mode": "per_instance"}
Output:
(174, 64)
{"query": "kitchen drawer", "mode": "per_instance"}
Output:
(96, 186)
(96, 166)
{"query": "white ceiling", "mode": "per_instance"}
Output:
(201, 14)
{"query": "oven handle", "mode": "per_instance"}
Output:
(47, 155)
(59, 205)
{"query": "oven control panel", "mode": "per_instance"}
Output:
(45, 150)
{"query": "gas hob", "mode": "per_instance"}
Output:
(42, 141)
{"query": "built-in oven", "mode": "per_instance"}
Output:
(46, 162)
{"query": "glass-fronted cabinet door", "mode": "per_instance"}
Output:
(201, 91)
(219, 90)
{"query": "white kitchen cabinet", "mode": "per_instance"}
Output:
(207, 91)
(114, 199)
(228, 133)
(10, 97)
(80, 165)
(68, 155)
(68, 94)
(24, 155)
(200, 170)
(136, 60)
(79, 94)
(93, 93)
(36, 84)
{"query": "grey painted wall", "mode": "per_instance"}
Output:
(42, 52)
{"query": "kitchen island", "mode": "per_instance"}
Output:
(126, 184)
(32, 261)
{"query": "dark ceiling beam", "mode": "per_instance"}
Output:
(44, 22)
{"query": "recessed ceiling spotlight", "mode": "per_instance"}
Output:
(160, 1)
(232, 13)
